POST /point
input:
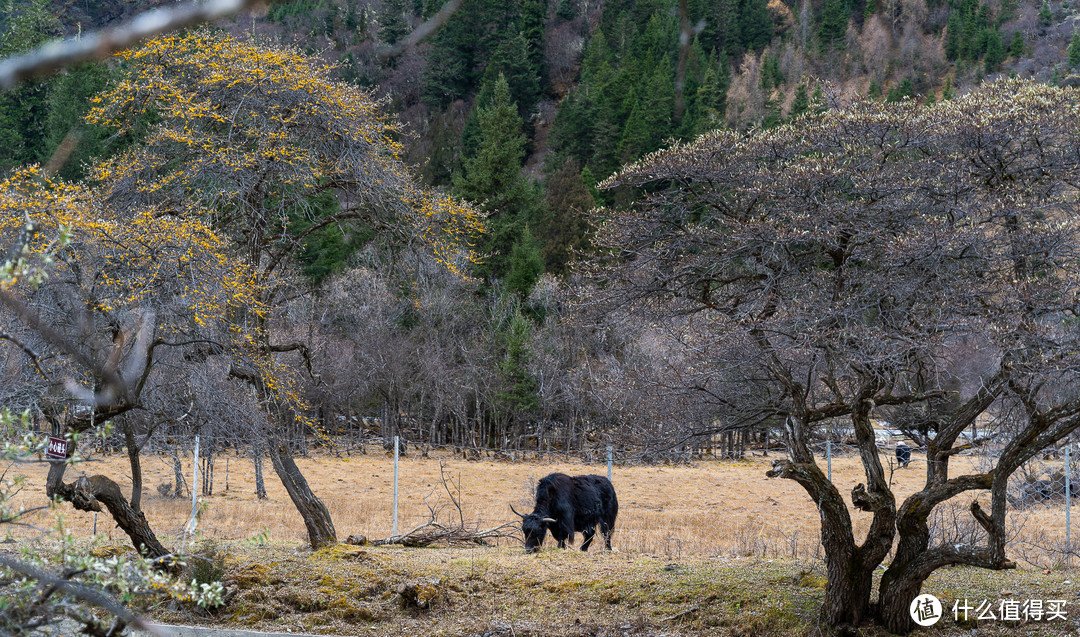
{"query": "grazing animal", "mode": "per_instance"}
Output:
(566, 505)
(903, 454)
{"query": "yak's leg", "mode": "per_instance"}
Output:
(587, 534)
(607, 531)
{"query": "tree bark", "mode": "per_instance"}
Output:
(320, 526)
(260, 485)
(88, 494)
(136, 465)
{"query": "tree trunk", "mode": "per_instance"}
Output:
(136, 466)
(89, 493)
(316, 516)
(260, 485)
(178, 474)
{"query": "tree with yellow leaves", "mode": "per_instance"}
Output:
(93, 314)
(249, 139)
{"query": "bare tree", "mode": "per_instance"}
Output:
(835, 264)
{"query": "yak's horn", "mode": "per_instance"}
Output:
(520, 515)
(549, 520)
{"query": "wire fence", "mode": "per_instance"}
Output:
(1040, 497)
(709, 505)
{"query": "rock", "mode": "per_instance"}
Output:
(421, 594)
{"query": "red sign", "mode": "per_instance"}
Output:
(57, 448)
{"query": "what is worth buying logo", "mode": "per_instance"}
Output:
(925, 610)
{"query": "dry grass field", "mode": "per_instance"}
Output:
(709, 509)
(713, 548)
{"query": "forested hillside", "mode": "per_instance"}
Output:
(521, 108)
(591, 85)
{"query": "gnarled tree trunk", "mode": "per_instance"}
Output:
(89, 493)
(320, 526)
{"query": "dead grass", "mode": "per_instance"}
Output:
(711, 549)
(708, 509)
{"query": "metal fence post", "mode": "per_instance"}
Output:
(394, 532)
(609, 463)
(1068, 509)
(828, 457)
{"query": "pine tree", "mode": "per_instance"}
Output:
(23, 110)
(755, 24)
(567, 229)
(948, 92)
(728, 36)
(1016, 44)
(954, 35)
(771, 77)
(532, 34)
(394, 25)
(904, 89)
(1074, 50)
(1045, 15)
(801, 102)
(69, 95)
(874, 91)
(995, 51)
(525, 265)
(519, 397)
(834, 21)
(492, 178)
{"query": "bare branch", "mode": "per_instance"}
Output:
(59, 54)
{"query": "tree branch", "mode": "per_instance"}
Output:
(59, 54)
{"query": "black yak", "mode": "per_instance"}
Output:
(903, 454)
(566, 505)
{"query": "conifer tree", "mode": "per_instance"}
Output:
(755, 24)
(1016, 44)
(566, 229)
(1074, 50)
(801, 103)
(23, 110)
(834, 21)
(1045, 15)
(995, 51)
(393, 25)
(526, 263)
(492, 177)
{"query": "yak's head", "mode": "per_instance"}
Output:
(535, 527)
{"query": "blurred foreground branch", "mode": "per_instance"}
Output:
(58, 54)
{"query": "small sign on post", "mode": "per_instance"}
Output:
(57, 449)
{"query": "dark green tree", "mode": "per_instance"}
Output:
(995, 51)
(68, 100)
(904, 89)
(519, 394)
(833, 28)
(493, 178)
(394, 24)
(954, 35)
(1045, 15)
(24, 110)
(526, 264)
(1074, 50)
(532, 33)
(566, 229)
(801, 103)
(1016, 44)
(755, 24)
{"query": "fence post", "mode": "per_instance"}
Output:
(394, 532)
(1068, 509)
(609, 463)
(828, 457)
